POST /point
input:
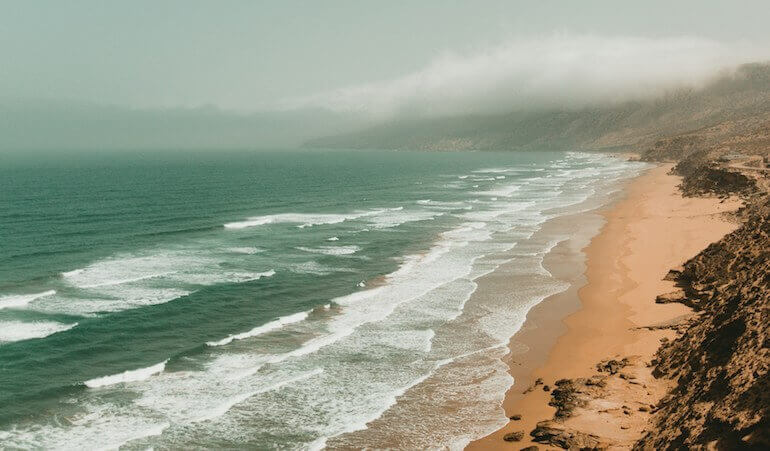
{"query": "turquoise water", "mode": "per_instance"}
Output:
(275, 299)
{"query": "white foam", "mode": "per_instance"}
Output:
(303, 219)
(20, 330)
(503, 191)
(223, 408)
(443, 205)
(331, 250)
(101, 426)
(211, 278)
(21, 300)
(313, 267)
(263, 329)
(127, 376)
(334, 238)
(149, 277)
(246, 250)
(120, 270)
(399, 217)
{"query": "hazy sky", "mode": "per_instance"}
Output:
(252, 55)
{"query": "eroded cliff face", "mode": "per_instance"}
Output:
(702, 176)
(721, 362)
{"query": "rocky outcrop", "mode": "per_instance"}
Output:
(721, 361)
(701, 175)
(553, 433)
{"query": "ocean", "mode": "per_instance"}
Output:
(273, 299)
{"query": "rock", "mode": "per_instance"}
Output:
(515, 417)
(623, 426)
(539, 381)
(514, 436)
(598, 381)
(546, 388)
(565, 398)
(674, 273)
(611, 366)
(670, 297)
(530, 448)
(552, 433)
(644, 409)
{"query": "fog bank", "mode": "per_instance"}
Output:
(561, 71)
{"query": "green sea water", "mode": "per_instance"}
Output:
(262, 300)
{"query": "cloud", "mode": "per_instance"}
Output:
(559, 71)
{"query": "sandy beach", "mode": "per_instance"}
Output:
(649, 231)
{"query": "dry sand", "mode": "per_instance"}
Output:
(651, 230)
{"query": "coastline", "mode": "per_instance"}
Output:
(651, 229)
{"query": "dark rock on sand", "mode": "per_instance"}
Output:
(565, 398)
(514, 436)
(611, 366)
(552, 433)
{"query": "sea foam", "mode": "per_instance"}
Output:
(331, 250)
(127, 376)
(21, 300)
(263, 329)
(19, 330)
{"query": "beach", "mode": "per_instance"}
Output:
(613, 315)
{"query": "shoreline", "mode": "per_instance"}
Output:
(647, 231)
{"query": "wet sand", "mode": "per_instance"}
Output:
(649, 231)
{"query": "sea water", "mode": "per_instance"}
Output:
(272, 299)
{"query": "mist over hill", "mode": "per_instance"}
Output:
(740, 95)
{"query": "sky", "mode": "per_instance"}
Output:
(98, 74)
(261, 55)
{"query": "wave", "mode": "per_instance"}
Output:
(306, 219)
(303, 219)
(331, 250)
(121, 269)
(246, 250)
(223, 408)
(127, 281)
(443, 205)
(402, 217)
(504, 191)
(313, 267)
(11, 331)
(211, 278)
(127, 376)
(21, 300)
(263, 329)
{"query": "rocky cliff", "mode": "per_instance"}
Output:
(721, 361)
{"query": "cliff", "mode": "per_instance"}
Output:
(720, 362)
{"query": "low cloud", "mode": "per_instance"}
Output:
(562, 71)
